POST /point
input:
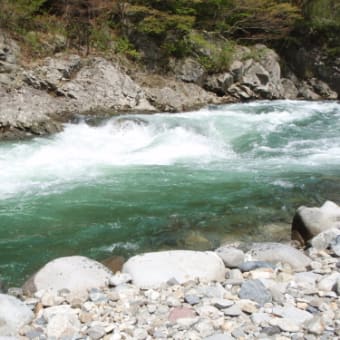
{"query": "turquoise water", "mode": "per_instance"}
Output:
(136, 183)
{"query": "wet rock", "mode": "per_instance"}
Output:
(75, 273)
(309, 222)
(14, 314)
(153, 269)
(114, 263)
(255, 290)
(232, 257)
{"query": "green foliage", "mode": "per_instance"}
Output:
(123, 45)
(215, 57)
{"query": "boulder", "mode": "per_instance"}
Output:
(306, 92)
(219, 83)
(289, 90)
(9, 53)
(171, 95)
(325, 239)
(76, 273)
(14, 314)
(276, 252)
(188, 70)
(153, 269)
(309, 222)
(232, 257)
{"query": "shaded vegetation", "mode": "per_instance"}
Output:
(174, 26)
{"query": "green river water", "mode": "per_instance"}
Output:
(137, 183)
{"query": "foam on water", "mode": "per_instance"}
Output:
(136, 183)
(238, 135)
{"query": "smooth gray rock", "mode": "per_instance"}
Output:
(309, 222)
(219, 336)
(325, 239)
(232, 257)
(153, 269)
(14, 314)
(298, 316)
(78, 274)
(251, 265)
(276, 252)
(256, 291)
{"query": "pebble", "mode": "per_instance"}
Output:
(257, 300)
(256, 291)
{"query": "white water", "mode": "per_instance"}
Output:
(241, 137)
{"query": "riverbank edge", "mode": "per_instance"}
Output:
(37, 98)
(250, 291)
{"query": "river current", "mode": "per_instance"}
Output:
(136, 183)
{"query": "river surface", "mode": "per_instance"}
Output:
(134, 183)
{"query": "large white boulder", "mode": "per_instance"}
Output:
(14, 314)
(309, 222)
(153, 269)
(76, 273)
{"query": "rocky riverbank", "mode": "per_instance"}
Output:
(36, 98)
(240, 291)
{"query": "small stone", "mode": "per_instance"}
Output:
(222, 303)
(231, 257)
(140, 334)
(328, 282)
(219, 336)
(255, 290)
(119, 278)
(63, 325)
(97, 295)
(285, 325)
(15, 291)
(315, 325)
(271, 330)
(251, 265)
(234, 310)
(85, 317)
(96, 332)
(191, 299)
(292, 313)
(180, 313)
(248, 307)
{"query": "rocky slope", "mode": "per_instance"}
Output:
(36, 99)
(240, 291)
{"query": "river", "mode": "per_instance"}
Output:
(135, 183)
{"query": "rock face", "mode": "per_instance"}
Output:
(153, 269)
(14, 314)
(309, 222)
(75, 273)
(171, 95)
